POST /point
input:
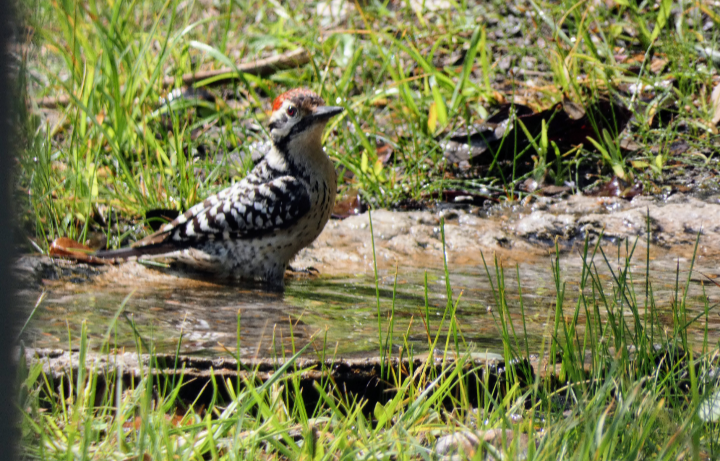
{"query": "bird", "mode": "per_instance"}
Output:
(254, 228)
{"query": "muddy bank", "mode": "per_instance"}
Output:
(58, 363)
(517, 234)
(354, 378)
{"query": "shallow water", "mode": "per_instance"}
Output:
(338, 315)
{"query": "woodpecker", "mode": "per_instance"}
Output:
(254, 228)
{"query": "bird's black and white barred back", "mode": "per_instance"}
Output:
(243, 211)
(253, 228)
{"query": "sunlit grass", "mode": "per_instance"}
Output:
(624, 385)
(407, 76)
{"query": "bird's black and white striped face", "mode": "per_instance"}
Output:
(301, 115)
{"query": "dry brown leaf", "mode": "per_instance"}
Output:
(657, 65)
(63, 245)
(68, 248)
(133, 424)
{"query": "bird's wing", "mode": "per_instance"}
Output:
(244, 210)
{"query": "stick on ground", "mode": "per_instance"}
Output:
(260, 67)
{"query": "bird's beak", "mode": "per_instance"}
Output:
(323, 113)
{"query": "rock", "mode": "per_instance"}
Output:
(465, 442)
(674, 223)
(463, 445)
(544, 226)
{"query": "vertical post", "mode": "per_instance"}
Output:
(9, 431)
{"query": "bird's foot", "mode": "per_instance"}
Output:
(302, 271)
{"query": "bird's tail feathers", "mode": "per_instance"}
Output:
(137, 252)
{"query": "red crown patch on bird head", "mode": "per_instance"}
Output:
(301, 95)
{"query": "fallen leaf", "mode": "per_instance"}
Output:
(529, 185)
(552, 190)
(350, 205)
(385, 153)
(678, 147)
(432, 118)
(135, 424)
(64, 247)
(657, 65)
(629, 145)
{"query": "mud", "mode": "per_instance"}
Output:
(517, 234)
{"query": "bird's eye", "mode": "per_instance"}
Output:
(292, 111)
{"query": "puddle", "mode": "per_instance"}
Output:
(338, 312)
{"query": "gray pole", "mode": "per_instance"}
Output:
(9, 431)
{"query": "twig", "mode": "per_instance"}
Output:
(52, 102)
(259, 67)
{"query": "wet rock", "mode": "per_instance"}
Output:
(33, 270)
(464, 445)
(407, 239)
(544, 226)
(676, 222)
(580, 204)
(623, 224)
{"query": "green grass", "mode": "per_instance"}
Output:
(625, 385)
(408, 78)
(97, 164)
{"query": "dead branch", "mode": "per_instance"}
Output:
(52, 102)
(260, 67)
